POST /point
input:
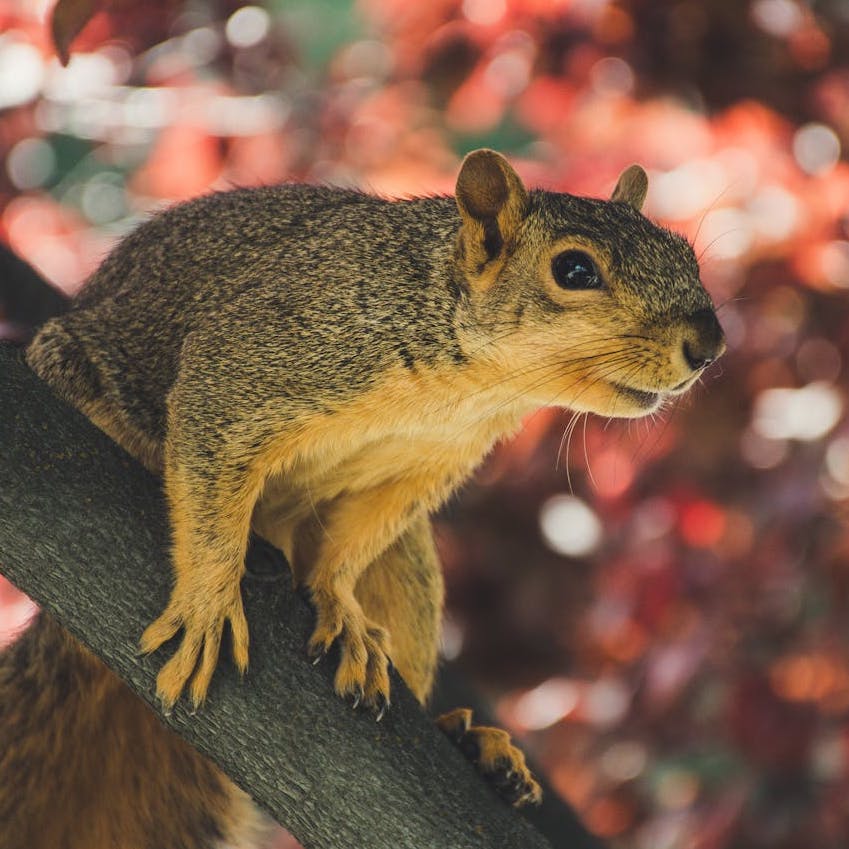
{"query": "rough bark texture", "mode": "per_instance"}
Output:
(83, 531)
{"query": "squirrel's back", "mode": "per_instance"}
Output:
(313, 262)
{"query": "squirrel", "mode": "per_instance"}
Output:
(325, 367)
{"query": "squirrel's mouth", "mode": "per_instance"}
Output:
(640, 397)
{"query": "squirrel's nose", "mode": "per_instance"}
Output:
(704, 340)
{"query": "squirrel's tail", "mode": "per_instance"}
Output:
(85, 764)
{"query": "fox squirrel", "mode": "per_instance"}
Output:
(325, 367)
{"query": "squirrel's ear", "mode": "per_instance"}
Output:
(631, 187)
(492, 203)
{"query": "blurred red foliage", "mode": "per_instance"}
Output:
(657, 607)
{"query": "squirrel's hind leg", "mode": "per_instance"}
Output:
(59, 358)
(494, 755)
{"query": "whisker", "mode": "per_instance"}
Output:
(551, 369)
(713, 241)
(713, 203)
(626, 358)
(564, 439)
(590, 474)
(730, 300)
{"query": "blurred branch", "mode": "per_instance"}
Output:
(26, 298)
(72, 500)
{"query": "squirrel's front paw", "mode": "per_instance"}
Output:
(495, 756)
(202, 618)
(363, 672)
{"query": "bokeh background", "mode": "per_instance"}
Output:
(657, 609)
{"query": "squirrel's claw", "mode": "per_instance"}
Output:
(196, 657)
(363, 671)
(317, 653)
(383, 705)
(515, 787)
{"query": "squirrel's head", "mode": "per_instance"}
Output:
(578, 302)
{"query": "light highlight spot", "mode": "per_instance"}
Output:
(569, 526)
(247, 26)
(804, 414)
(816, 148)
(546, 704)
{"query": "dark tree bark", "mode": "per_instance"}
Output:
(83, 530)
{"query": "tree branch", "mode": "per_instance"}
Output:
(83, 530)
(26, 298)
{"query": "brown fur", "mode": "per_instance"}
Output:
(495, 756)
(87, 765)
(328, 367)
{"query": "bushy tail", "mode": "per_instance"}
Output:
(85, 764)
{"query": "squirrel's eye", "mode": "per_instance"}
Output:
(575, 270)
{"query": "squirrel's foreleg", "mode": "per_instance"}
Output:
(210, 520)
